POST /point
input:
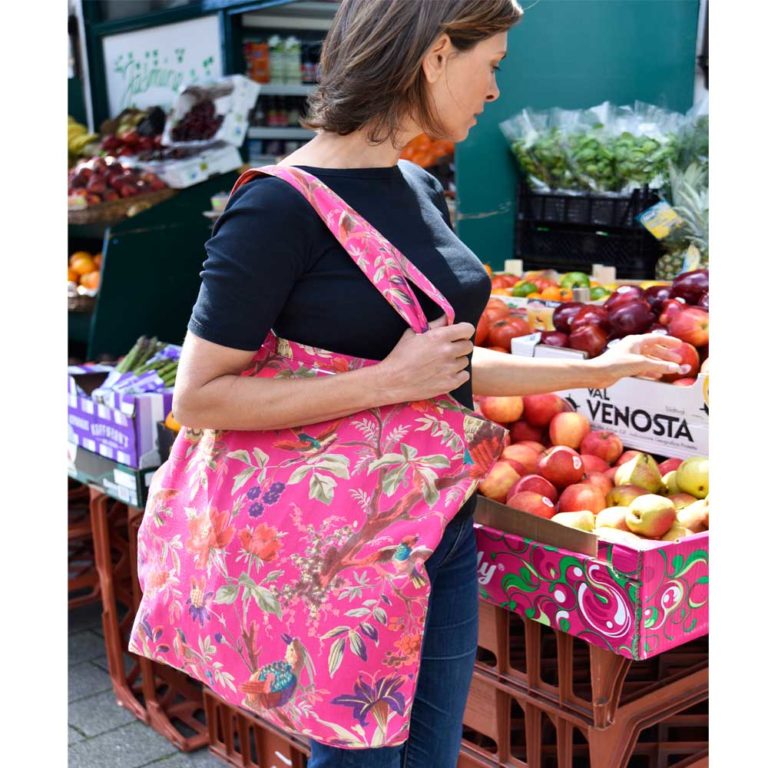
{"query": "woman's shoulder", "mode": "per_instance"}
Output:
(270, 195)
(419, 176)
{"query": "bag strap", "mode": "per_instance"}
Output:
(383, 264)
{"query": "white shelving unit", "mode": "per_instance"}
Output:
(301, 15)
(284, 89)
(279, 133)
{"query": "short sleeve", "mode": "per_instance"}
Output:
(258, 250)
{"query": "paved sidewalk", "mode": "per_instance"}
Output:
(102, 734)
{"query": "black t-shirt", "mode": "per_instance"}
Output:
(272, 263)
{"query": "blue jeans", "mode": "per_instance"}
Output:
(448, 658)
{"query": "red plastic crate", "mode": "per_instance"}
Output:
(244, 740)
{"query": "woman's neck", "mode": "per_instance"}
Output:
(331, 150)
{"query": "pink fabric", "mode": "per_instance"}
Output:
(285, 568)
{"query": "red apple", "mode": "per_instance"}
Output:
(554, 339)
(540, 409)
(690, 286)
(568, 428)
(594, 463)
(591, 339)
(686, 354)
(669, 465)
(599, 480)
(687, 382)
(655, 295)
(498, 481)
(533, 503)
(627, 456)
(564, 314)
(604, 444)
(538, 447)
(522, 431)
(691, 324)
(516, 465)
(561, 465)
(581, 496)
(611, 474)
(590, 314)
(670, 308)
(535, 484)
(624, 293)
(502, 408)
(630, 317)
(523, 454)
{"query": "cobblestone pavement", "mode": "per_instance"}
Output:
(101, 733)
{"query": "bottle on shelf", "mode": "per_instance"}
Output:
(307, 63)
(272, 115)
(294, 111)
(292, 61)
(277, 59)
(256, 54)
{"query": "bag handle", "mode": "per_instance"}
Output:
(383, 264)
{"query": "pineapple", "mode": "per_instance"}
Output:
(689, 196)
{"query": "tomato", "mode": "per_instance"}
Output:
(496, 308)
(503, 281)
(504, 330)
(481, 332)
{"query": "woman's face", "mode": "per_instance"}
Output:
(463, 82)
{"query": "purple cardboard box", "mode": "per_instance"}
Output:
(120, 427)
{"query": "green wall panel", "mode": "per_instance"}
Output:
(570, 54)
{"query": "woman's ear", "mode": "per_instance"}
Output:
(437, 57)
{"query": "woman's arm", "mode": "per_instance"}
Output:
(211, 393)
(649, 355)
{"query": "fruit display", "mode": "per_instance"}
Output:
(101, 180)
(84, 272)
(80, 141)
(199, 124)
(133, 131)
(584, 478)
(425, 151)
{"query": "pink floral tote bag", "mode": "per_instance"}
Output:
(285, 569)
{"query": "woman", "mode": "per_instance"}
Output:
(392, 69)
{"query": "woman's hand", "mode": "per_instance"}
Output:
(648, 356)
(426, 365)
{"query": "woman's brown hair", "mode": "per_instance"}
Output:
(371, 72)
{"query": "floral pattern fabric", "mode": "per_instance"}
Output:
(285, 568)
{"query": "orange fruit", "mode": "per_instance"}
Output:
(534, 295)
(551, 293)
(82, 264)
(72, 276)
(90, 280)
(79, 255)
(171, 422)
(97, 260)
(488, 269)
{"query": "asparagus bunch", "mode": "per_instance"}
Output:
(147, 355)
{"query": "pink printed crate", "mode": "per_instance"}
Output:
(633, 602)
(122, 428)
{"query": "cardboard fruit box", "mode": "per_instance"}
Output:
(636, 602)
(121, 427)
(126, 484)
(651, 416)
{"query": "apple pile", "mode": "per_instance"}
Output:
(557, 467)
(680, 309)
(104, 179)
(131, 143)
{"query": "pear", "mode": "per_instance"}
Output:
(617, 536)
(693, 476)
(677, 531)
(681, 500)
(622, 495)
(583, 520)
(641, 470)
(612, 517)
(651, 515)
(695, 516)
(669, 483)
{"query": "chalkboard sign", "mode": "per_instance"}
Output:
(150, 66)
